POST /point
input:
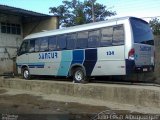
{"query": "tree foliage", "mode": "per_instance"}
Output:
(155, 25)
(74, 12)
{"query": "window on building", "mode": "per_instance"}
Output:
(3, 28)
(52, 43)
(93, 40)
(10, 28)
(71, 38)
(13, 28)
(118, 35)
(61, 42)
(18, 29)
(82, 40)
(106, 36)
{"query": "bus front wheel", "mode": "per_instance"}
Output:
(79, 75)
(26, 74)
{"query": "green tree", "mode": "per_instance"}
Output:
(74, 12)
(155, 25)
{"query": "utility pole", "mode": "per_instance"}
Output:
(93, 13)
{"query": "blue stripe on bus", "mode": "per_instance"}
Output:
(32, 65)
(90, 60)
(78, 57)
(36, 66)
(66, 59)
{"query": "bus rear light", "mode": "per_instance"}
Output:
(131, 54)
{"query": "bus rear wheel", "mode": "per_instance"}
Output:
(79, 75)
(26, 74)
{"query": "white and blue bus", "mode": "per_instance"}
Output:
(120, 46)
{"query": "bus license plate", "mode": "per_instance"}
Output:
(145, 69)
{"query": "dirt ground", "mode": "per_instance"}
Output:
(28, 104)
(25, 106)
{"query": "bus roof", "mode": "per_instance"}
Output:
(77, 28)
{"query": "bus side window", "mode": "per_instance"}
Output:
(118, 35)
(44, 44)
(82, 40)
(61, 42)
(32, 45)
(52, 43)
(93, 40)
(37, 45)
(106, 36)
(71, 38)
(23, 48)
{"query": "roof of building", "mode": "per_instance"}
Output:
(21, 12)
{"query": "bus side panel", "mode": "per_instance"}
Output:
(69, 59)
(86, 58)
(78, 57)
(51, 61)
(22, 60)
(111, 61)
(90, 60)
(52, 65)
(66, 59)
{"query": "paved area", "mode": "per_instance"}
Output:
(62, 100)
(136, 95)
(21, 102)
(37, 106)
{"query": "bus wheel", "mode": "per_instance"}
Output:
(25, 73)
(79, 75)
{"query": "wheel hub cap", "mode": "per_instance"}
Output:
(78, 76)
(26, 73)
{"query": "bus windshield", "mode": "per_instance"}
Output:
(142, 32)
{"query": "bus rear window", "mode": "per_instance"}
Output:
(142, 32)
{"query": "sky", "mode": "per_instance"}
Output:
(137, 8)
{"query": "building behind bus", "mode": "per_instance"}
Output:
(15, 24)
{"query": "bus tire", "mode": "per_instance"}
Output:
(79, 75)
(26, 74)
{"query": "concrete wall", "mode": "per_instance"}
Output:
(40, 25)
(8, 43)
(146, 96)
